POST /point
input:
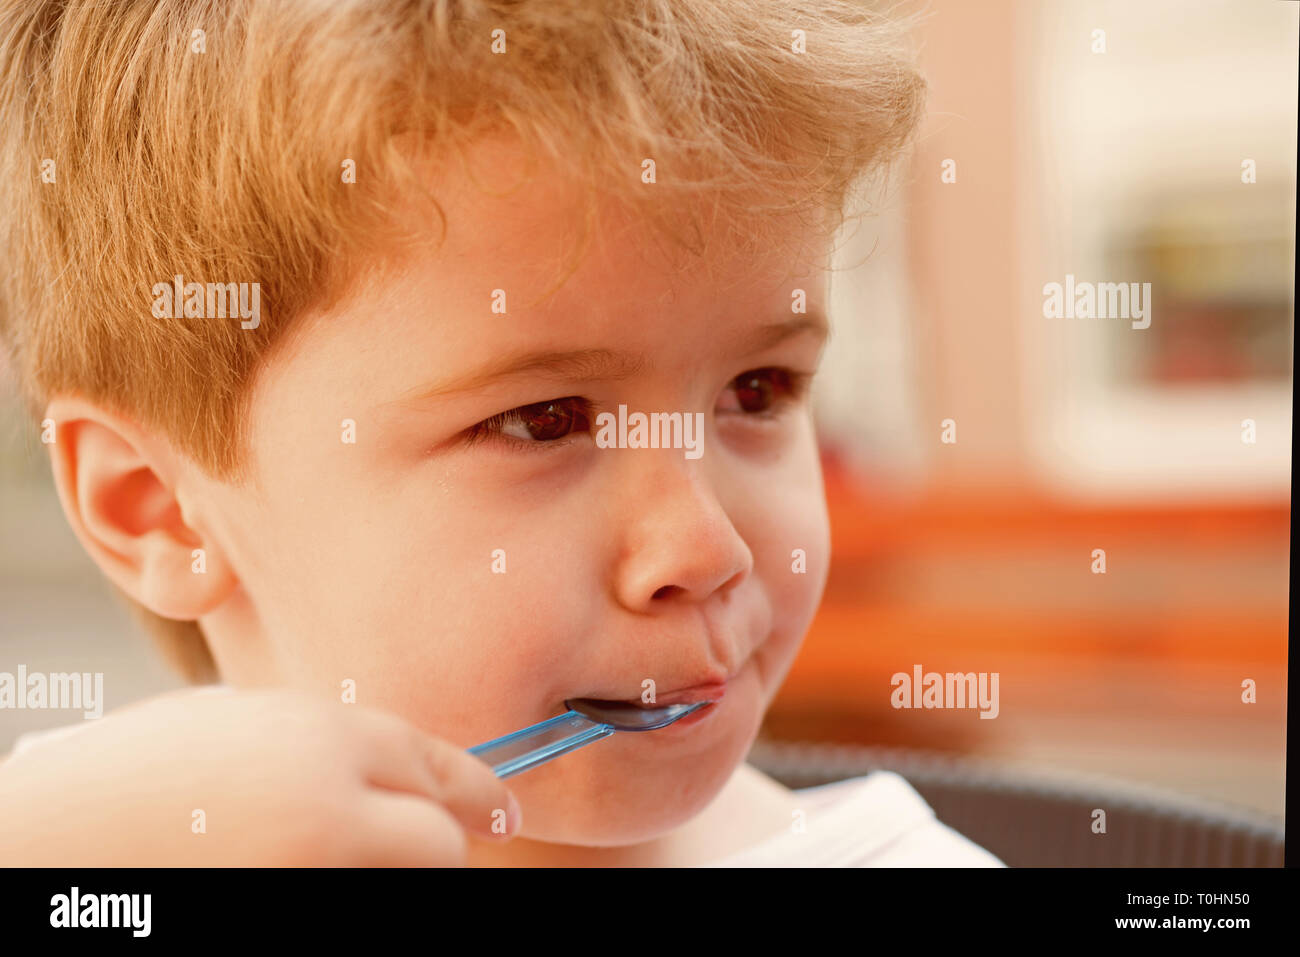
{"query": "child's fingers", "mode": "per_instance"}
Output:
(402, 758)
(404, 830)
(478, 798)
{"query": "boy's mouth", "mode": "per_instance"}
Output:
(710, 691)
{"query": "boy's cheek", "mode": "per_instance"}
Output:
(423, 619)
(795, 572)
(465, 653)
(792, 552)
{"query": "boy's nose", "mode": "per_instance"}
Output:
(679, 543)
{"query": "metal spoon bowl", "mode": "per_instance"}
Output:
(624, 716)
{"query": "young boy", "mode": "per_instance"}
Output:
(395, 502)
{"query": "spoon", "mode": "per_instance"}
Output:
(587, 720)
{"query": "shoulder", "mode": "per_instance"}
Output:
(877, 820)
(904, 830)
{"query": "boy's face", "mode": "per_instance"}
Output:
(471, 574)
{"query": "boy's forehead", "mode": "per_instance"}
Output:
(469, 303)
(433, 311)
(538, 228)
(500, 279)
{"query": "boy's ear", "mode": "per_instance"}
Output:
(118, 486)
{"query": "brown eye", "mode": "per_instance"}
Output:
(537, 426)
(759, 390)
(551, 420)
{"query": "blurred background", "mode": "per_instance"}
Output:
(1071, 434)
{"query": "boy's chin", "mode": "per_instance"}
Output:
(632, 809)
(615, 827)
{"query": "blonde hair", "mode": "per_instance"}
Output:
(207, 139)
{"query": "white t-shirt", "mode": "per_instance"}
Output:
(877, 820)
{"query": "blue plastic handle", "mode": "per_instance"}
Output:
(523, 750)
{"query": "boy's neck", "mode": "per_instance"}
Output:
(751, 808)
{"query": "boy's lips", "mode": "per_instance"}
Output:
(705, 692)
(712, 690)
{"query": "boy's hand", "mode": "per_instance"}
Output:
(282, 778)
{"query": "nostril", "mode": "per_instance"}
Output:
(666, 591)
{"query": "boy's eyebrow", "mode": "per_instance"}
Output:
(600, 363)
